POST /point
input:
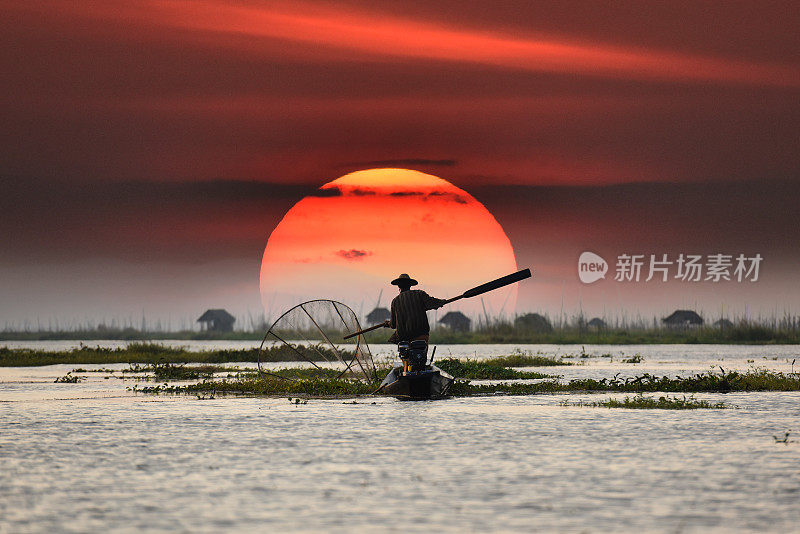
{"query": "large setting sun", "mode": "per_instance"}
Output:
(360, 231)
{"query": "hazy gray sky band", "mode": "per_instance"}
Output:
(189, 221)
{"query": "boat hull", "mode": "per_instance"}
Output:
(432, 383)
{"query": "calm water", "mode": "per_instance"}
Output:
(94, 457)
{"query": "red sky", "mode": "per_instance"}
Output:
(150, 147)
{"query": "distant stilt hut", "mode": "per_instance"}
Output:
(456, 321)
(378, 315)
(683, 319)
(723, 324)
(533, 322)
(217, 321)
(597, 323)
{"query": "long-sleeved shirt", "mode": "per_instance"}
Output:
(408, 314)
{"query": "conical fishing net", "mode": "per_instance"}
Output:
(313, 332)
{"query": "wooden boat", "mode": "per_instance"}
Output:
(432, 383)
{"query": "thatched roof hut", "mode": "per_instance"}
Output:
(378, 315)
(217, 320)
(533, 322)
(683, 318)
(597, 323)
(723, 324)
(456, 321)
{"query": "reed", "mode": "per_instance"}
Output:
(498, 329)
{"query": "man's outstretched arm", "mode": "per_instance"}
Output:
(432, 303)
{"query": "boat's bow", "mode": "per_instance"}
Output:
(432, 383)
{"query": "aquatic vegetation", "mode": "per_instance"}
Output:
(322, 383)
(68, 378)
(169, 371)
(642, 402)
(269, 386)
(141, 347)
(152, 353)
(483, 370)
(724, 382)
(586, 355)
(465, 388)
(636, 358)
(525, 359)
(305, 373)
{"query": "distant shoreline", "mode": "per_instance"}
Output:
(746, 334)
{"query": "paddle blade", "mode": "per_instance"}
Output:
(495, 284)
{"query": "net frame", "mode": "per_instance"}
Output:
(362, 364)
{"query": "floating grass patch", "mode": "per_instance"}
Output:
(636, 358)
(483, 370)
(465, 388)
(723, 382)
(269, 386)
(642, 402)
(523, 359)
(307, 373)
(323, 383)
(68, 378)
(171, 371)
(153, 353)
(586, 355)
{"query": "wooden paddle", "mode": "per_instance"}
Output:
(474, 292)
(364, 331)
(491, 286)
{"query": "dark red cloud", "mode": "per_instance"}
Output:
(353, 254)
(111, 92)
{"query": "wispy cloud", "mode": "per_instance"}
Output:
(444, 195)
(375, 34)
(357, 192)
(326, 192)
(406, 194)
(353, 254)
(451, 196)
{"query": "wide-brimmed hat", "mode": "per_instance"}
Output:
(404, 280)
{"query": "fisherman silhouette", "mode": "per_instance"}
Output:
(408, 313)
